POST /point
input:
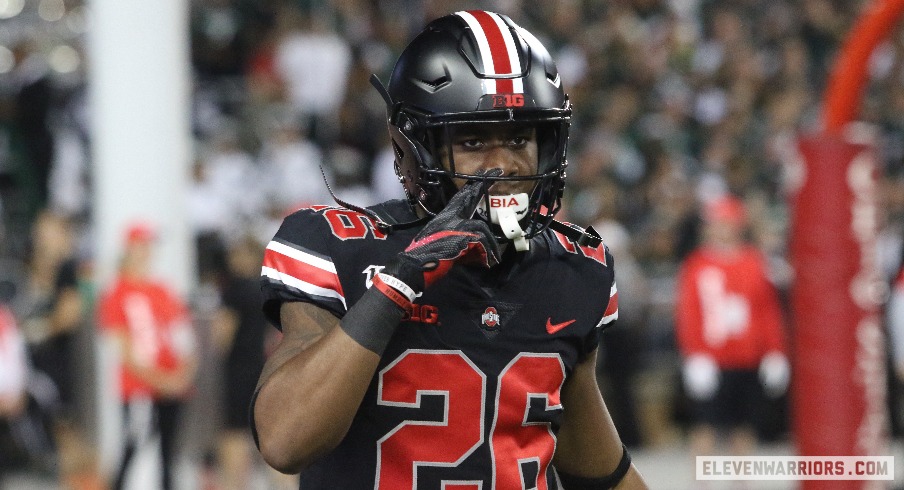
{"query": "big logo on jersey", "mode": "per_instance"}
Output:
(419, 313)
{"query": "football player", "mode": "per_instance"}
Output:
(468, 317)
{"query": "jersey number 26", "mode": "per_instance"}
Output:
(514, 440)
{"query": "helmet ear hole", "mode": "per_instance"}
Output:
(406, 167)
(414, 163)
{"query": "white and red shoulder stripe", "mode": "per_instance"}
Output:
(498, 51)
(611, 313)
(302, 270)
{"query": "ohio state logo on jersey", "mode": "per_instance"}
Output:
(490, 318)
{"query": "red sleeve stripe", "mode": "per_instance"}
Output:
(301, 270)
(611, 313)
(436, 236)
(497, 51)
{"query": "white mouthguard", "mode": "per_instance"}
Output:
(505, 211)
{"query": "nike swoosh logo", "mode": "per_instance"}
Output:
(555, 327)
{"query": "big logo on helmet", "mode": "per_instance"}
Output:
(508, 100)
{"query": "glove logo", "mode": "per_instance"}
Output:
(370, 273)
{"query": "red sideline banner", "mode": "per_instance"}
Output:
(839, 387)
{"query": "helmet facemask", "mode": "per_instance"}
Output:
(430, 184)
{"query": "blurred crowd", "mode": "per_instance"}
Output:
(677, 102)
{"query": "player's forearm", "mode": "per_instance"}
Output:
(327, 381)
(588, 450)
(306, 406)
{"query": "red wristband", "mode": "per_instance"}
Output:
(391, 293)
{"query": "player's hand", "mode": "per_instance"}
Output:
(700, 374)
(453, 236)
(775, 374)
(13, 405)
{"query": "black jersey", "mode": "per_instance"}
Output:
(466, 395)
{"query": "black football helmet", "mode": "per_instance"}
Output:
(475, 67)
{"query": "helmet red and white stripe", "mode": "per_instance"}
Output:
(497, 51)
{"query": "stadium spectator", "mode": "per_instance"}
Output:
(313, 61)
(51, 310)
(14, 370)
(730, 332)
(32, 111)
(895, 322)
(153, 330)
(239, 333)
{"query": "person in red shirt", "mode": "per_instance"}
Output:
(14, 371)
(895, 318)
(152, 327)
(13, 367)
(730, 331)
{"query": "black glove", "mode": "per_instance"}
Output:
(452, 236)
